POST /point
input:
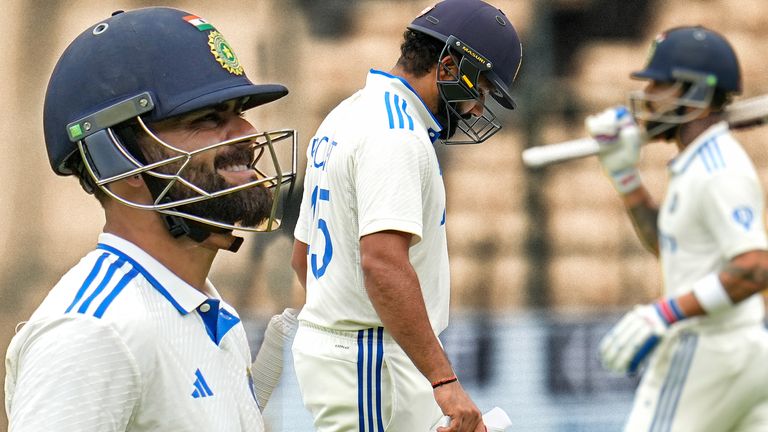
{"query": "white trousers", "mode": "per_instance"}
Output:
(361, 381)
(705, 382)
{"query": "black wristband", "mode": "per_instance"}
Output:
(443, 382)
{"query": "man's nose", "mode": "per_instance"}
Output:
(474, 108)
(238, 126)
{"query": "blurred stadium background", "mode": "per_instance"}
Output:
(542, 261)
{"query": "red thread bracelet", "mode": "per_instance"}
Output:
(444, 381)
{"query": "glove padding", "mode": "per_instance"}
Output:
(629, 343)
(620, 138)
(268, 366)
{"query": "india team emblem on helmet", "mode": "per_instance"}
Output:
(223, 53)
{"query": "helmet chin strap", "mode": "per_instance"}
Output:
(179, 226)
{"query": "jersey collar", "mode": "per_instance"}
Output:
(380, 78)
(682, 160)
(184, 297)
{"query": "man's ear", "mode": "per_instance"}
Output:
(447, 68)
(132, 188)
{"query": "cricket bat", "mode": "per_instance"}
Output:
(742, 114)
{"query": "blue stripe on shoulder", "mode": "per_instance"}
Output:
(717, 154)
(701, 153)
(710, 156)
(400, 123)
(392, 101)
(103, 284)
(408, 116)
(88, 280)
(128, 277)
(409, 87)
(145, 274)
(389, 110)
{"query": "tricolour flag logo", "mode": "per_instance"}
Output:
(198, 22)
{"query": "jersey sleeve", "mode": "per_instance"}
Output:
(388, 176)
(733, 210)
(70, 375)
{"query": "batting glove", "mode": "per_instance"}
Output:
(620, 138)
(268, 366)
(630, 342)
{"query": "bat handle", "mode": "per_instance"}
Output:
(540, 156)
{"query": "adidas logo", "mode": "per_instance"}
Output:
(201, 387)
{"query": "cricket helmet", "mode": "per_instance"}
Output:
(481, 40)
(140, 67)
(696, 60)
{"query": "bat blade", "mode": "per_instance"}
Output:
(539, 156)
(747, 113)
(742, 114)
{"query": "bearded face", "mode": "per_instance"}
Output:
(247, 207)
(230, 167)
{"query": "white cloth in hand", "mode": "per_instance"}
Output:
(495, 420)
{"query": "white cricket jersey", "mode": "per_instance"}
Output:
(713, 211)
(123, 344)
(372, 167)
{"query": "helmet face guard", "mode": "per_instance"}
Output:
(464, 87)
(106, 160)
(671, 108)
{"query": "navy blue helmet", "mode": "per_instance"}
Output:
(699, 64)
(140, 67)
(483, 42)
(693, 49)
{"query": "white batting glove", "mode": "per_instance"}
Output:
(630, 342)
(620, 138)
(268, 366)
